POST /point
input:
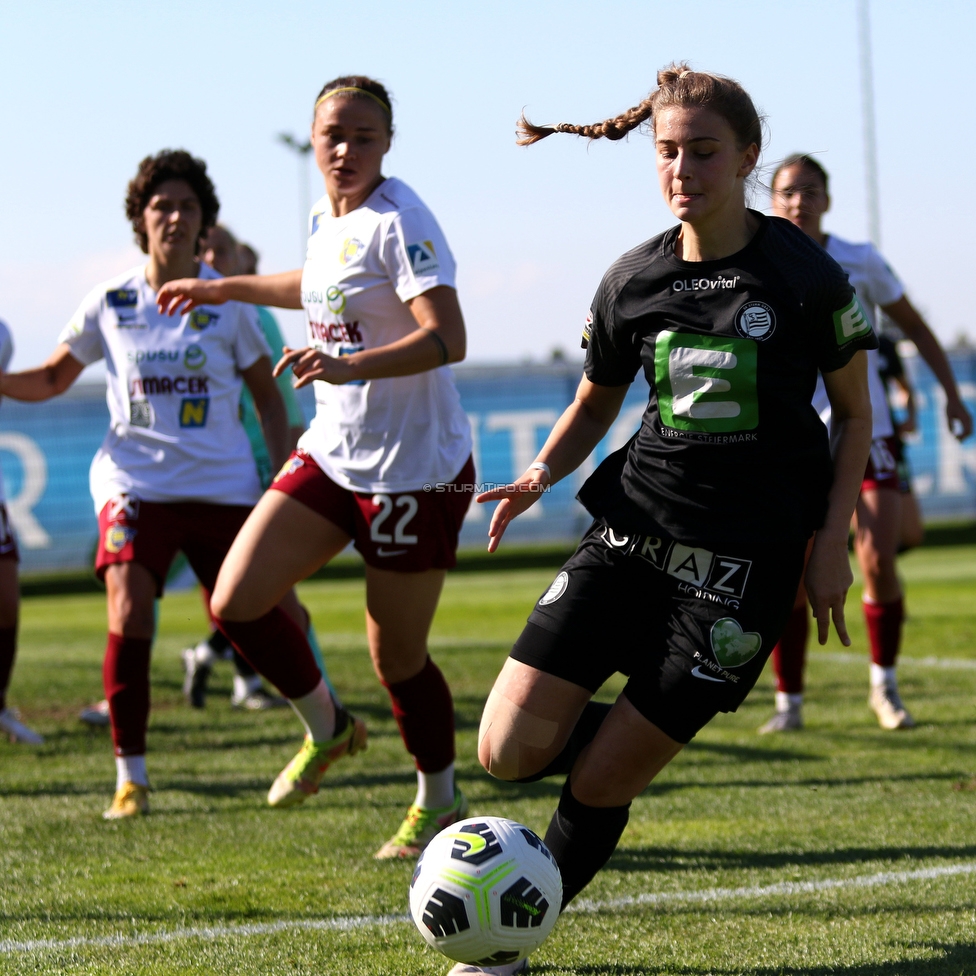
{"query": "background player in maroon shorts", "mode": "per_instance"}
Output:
(800, 195)
(386, 462)
(10, 722)
(175, 470)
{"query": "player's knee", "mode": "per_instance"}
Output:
(226, 604)
(512, 742)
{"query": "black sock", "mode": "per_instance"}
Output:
(218, 643)
(586, 729)
(242, 667)
(581, 839)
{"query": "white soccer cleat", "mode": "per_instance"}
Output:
(886, 703)
(464, 969)
(788, 721)
(18, 732)
(96, 715)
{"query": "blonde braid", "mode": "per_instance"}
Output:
(677, 84)
(615, 128)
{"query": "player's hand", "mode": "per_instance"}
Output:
(182, 295)
(310, 364)
(513, 500)
(906, 427)
(828, 578)
(959, 419)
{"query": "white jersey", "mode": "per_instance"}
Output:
(6, 353)
(399, 433)
(174, 388)
(876, 285)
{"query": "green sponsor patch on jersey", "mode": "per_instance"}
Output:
(706, 383)
(850, 322)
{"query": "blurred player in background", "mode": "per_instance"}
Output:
(800, 195)
(226, 255)
(901, 397)
(175, 471)
(383, 318)
(688, 572)
(10, 723)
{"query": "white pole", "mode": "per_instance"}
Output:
(867, 117)
(302, 150)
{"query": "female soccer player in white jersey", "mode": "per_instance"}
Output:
(689, 569)
(383, 320)
(10, 723)
(799, 194)
(175, 470)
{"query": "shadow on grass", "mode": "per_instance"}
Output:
(755, 753)
(629, 859)
(954, 959)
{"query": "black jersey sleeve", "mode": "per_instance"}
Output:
(841, 326)
(612, 357)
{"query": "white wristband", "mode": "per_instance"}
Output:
(541, 466)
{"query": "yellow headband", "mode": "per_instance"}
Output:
(361, 91)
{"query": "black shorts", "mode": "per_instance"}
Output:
(690, 627)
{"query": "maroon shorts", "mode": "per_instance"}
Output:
(151, 533)
(410, 532)
(882, 466)
(8, 544)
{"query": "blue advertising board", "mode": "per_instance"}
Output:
(46, 448)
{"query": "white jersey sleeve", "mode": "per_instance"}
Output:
(249, 343)
(415, 254)
(882, 286)
(6, 346)
(83, 334)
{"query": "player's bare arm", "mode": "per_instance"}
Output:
(828, 576)
(182, 295)
(50, 379)
(581, 427)
(907, 318)
(440, 339)
(270, 409)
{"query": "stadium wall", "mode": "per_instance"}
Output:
(46, 448)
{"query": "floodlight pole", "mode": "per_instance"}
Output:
(302, 150)
(867, 121)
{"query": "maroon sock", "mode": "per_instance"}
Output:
(424, 710)
(277, 649)
(884, 630)
(125, 675)
(790, 652)
(8, 651)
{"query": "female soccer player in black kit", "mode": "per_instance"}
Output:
(687, 575)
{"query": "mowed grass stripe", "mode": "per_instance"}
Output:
(348, 923)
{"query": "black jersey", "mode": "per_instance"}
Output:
(730, 449)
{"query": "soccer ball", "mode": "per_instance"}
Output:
(486, 891)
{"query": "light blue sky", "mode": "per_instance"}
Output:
(89, 89)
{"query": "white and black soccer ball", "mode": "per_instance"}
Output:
(486, 891)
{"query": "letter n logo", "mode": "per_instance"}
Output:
(193, 411)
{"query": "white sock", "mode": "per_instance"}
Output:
(883, 676)
(435, 790)
(317, 712)
(204, 654)
(786, 700)
(246, 686)
(130, 769)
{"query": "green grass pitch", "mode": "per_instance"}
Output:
(841, 849)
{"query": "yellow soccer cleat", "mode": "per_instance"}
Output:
(131, 800)
(420, 827)
(301, 777)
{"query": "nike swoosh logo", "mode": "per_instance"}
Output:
(698, 673)
(392, 552)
